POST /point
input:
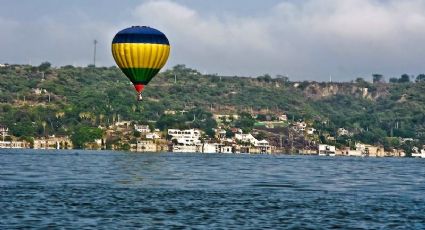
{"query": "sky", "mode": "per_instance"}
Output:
(302, 39)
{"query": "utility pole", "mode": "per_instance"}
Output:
(94, 53)
(175, 78)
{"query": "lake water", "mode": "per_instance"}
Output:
(110, 190)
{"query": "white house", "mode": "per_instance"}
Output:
(170, 112)
(248, 138)
(142, 128)
(12, 144)
(419, 154)
(211, 148)
(4, 131)
(283, 117)
(263, 146)
(38, 91)
(226, 149)
(310, 131)
(153, 136)
(186, 140)
(193, 134)
(262, 143)
(220, 133)
(343, 132)
(327, 150)
(300, 126)
(404, 140)
(122, 123)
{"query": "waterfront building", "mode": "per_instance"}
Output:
(13, 144)
(53, 142)
(145, 146)
(306, 151)
(185, 140)
(419, 154)
(355, 153)
(263, 146)
(327, 150)
(370, 150)
(396, 153)
(4, 131)
(226, 149)
(211, 148)
(253, 145)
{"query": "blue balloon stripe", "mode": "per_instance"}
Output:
(140, 34)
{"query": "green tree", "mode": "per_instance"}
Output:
(378, 78)
(393, 80)
(420, 78)
(85, 134)
(266, 78)
(404, 78)
(245, 122)
(261, 117)
(361, 82)
(282, 78)
(44, 66)
(229, 133)
(23, 129)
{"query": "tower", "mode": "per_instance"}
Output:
(94, 52)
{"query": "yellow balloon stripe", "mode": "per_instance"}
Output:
(140, 55)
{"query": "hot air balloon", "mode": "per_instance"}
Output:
(140, 52)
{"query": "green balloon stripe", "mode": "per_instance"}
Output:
(140, 75)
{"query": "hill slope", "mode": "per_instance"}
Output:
(36, 100)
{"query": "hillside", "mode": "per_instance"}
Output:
(35, 100)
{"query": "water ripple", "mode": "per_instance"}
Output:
(110, 190)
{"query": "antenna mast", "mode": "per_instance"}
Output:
(94, 53)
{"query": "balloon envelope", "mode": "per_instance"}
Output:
(140, 52)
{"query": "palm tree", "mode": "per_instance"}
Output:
(44, 123)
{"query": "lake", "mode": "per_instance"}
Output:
(109, 190)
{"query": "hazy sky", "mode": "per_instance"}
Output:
(305, 39)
